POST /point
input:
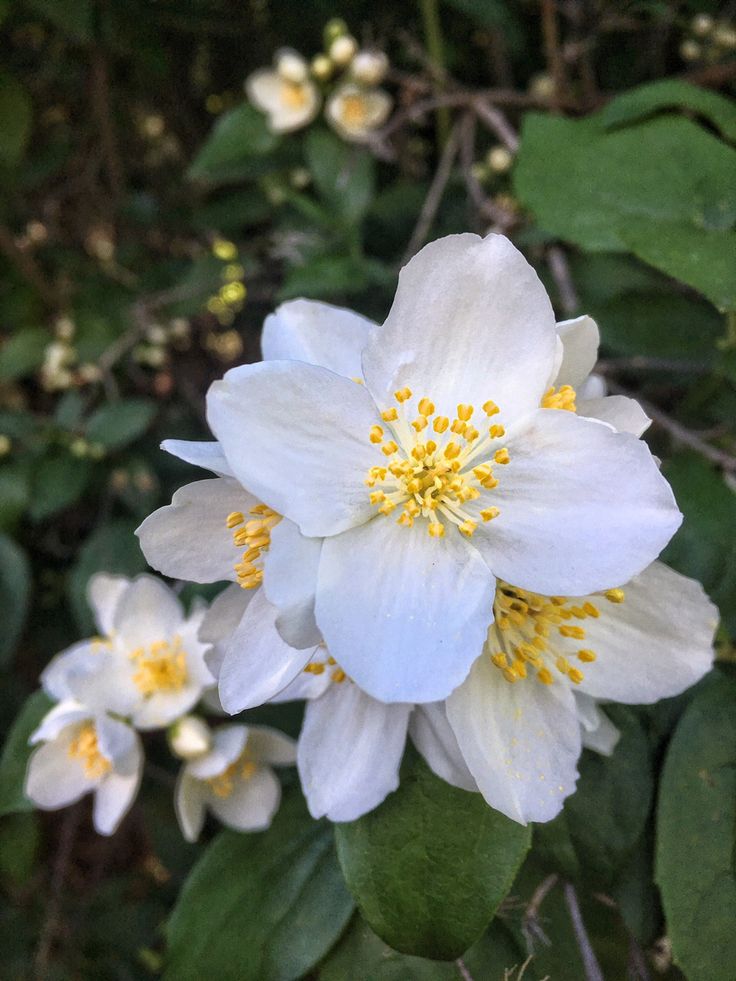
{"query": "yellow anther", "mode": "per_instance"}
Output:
(315, 667)
(389, 448)
(390, 415)
(488, 514)
(85, 748)
(510, 675)
(160, 668)
(545, 676)
(520, 669)
(377, 496)
(431, 446)
(615, 595)
(338, 675)
(577, 632)
(562, 398)
(452, 450)
(464, 411)
(458, 426)
(575, 675)
(489, 482)
(501, 456)
(405, 520)
(234, 518)
(387, 507)
(426, 407)
(471, 434)
(468, 527)
(500, 660)
(495, 431)
(403, 394)
(248, 769)
(482, 472)
(436, 529)
(376, 434)
(440, 424)
(586, 656)
(490, 408)
(420, 423)
(419, 452)
(562, 665)
(411, 507)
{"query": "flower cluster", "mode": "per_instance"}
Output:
(145, 671)
(347, 80)
(442, 527)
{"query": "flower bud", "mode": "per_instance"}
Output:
(333, 29)
(291, 66)
(343, 49)
(725, 36)
(701, 25)
(189, 737)
(500, 159)
(542, 87)
(5, 445)
(369, 67)
(321, 67)
(690, 50)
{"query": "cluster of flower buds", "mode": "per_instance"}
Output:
(60, 369)
(153, 351)
(230, 297)
(346, 77)
(708, 40)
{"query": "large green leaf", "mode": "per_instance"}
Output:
(695, 835)
(16, 752)
(671, 93)
(15, 594)
(238, 135)
(265, 907)
(429, 867)
(112, 547)
(662, 189)
(119, 423)
(23, 352)
(343, 175)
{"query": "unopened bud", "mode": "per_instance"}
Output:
(190, 737)
(5, 445)
(725, 36)
(500, 159)
(369, 67)
(343, 49)
(321, 67)
(333, 29)
(701, 25)
(690, 50)
(542, 87)
(291, 66)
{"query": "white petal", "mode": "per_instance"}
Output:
(225, 613)
(308, 685)
(580, 339)
(290, 583)
(268, 745)
(80, 658)
(94, 676)
(655, 644)
(521, 741)
(582, 507)
(189, 538)
(349, 752)
(190, 796)
(596, 729)
(257, 664)
(115, 795)
(209, 456)
(405, 615)
(318, 333)
(57, 719)
(624, 414)
(119, 743)
(470, 322)
(432, 735)
(54, 778)
(594, 387)
(228, 743)
(148, 612)
(252, 804)
(298, 437)
(104, 592)
(164, 707)
(270, 93)
(376, 107)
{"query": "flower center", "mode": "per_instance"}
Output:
(224, 783)
(293, 95)
(353, 111)
(436, 478)
(319, 667)
(255, 536)
(534, 633)
(560, 398)
(160, 667)
(85, 748)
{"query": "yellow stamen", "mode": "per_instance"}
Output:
(85, 748)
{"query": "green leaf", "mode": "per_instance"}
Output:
(15, 120)
(344, 176)
(118, 424)
(429, 867)
(23, 352)
(238, 135)
(263, 906)
(15, 593)
(16, 751)
(58, 481)
(670, 93)
(674, 209)
(695, 835)
(72, 17)
(19, 846)
(15, 489)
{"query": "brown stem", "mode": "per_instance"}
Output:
(50, 927)
(553, 54)
(557, 261)
(102, 109)
(434, 195)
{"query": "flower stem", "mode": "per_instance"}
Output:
(435, 49)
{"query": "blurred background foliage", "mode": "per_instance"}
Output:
(148, 222)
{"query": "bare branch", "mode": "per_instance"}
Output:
(434, 195)
(557, 261)
(590, 961)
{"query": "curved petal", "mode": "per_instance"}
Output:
(257, 664)
(57, 678)
(289, 106)
(228, 743)
(521, 741)
(318, 333)
(120, 744)
(594, 387)
(208, 455)
(470, 322)
(149, 611)
(655, 644)
(580, 339)
(190, 804)
(189, 538)
(164, 707)
(252, 803)
(432, 735)
(298, 437)
(114, 797)
(54, 778)
(581, 506)
(290, 582)
(269, 745)
(93, 675)
(103, 593)
(404, 614)
(349, 752)
(64, 714)
(624, 414)
(596, 729)
(310, 684)
(225, 613)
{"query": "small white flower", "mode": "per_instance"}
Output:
(350, 746)
(285, 93)
(234, 779)
(81, 753)
(355, 112)
(147, 664)
(190, 737)
(369, 67)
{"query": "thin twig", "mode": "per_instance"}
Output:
(530, 921)
(590, 961)
(557, 261)
(49, 929)
(497, 122)
(462, 968)
(501, 219)
(434, 195)
(553, 54)
(27, 267)
(101, 106)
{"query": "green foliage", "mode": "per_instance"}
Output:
(670, 93)
(238, 136)
(695, 834)
(119, 423)
(16, 752)
(15, 120)
(15, 594)
(429, 867)
(22, 353)
(266, 906)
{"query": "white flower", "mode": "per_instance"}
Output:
(343, 50)
(369, 67)
(441, 473)
(234, 779)
(285, 93)
(350, 746)
(355, 112)
(148, 662)
(84, 752)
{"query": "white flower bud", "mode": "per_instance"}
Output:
(542, 87)
(369, 67)
(343, 49)
(291, 66)
(725, 36)
(321, 67)
(190, 737)
(5, 445)
(701, 25)
(690, 50)
(500, 159)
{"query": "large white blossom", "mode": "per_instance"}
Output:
(85, 752)
(234, 779)
(147, 663)
(452, 466)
